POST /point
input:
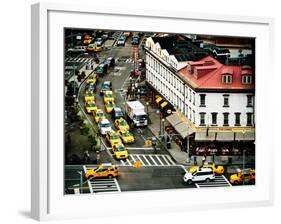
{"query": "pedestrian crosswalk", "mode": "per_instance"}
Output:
(148, 160)
(79, 60)
(219, 181)
(101, 185)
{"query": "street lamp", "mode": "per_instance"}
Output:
(147, 104)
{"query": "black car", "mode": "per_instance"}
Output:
(117, 113)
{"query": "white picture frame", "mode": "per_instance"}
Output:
(48, 201)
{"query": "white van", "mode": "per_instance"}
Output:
(203, 174)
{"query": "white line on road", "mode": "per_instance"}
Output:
(129, 162)
(159, 160)
(123, 163)
(117, 185)
(133, 158)
(226, 180)
(171, 161)
(164, 158)
(146, 160)
(150, 156)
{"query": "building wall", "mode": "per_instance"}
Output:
(187, 101)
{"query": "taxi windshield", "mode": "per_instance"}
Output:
(123, 123)
(108, 95)
(126, 134)
(114, 137)
(120, 149)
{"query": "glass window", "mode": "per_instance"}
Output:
(237, 119)
(225, 119)
(249, 100)
(202, 118)
(214, 118)
(249, 119)
(226, 100)
(202, 100)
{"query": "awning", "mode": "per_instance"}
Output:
(247, 136)
(164, 104)
(183, 129)
(173, 119)
(158, 99)
(202, 136)
(225, 136)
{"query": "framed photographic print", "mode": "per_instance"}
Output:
(161, 111)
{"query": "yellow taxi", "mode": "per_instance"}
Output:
(93, 48)
(109, 105)
(246, 176)
(98, 115)
(108, 96)
(219, 170)
(92, 79)
(105, 170)
(87, 39)
(113, 138)
(89, 96)
(126, 136)
(119, 151)
(127, 34)
(91, 106)
(122, 124)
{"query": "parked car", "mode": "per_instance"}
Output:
(203, 174)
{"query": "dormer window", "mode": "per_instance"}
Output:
(246, 79)
(227, 79)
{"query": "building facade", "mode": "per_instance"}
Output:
(208, 96)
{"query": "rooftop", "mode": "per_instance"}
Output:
(207, 72)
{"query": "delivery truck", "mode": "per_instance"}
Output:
(135, 112)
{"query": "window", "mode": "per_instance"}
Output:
(225, 119)
(214, 118)
(249, 119)
(193, 98)
(202, 100)
(246, 79)
(227, 79)
(225, 100)
(190, 95)
(193, 117)
(202, 119)
(237, 119)
(249, 100)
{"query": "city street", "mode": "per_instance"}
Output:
(160, 167)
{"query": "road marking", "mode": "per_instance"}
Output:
(227, 180)
(146, 160)
(117, 185)
(157, 157)
(129, 162)
(76, 191)
(140, 160)
(197, 185)
(123, 163)
(136, 148)
(85, 169)
(133, 158)
(90, 187)
(164, 158)
(171, 161)
(150, 156)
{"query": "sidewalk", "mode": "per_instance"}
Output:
(181, 157)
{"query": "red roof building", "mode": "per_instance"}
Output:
(210, 74)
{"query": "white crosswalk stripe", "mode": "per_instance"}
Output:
(148, 160)
(219, 181)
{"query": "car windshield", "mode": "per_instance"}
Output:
(99, 114)
(141, 117)
(123, 123)
(92, 105)
(120, 149)
(110, 104)
(105, 87)
(126, 134)
(108, 95)
(114, 137)
(107, 125)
